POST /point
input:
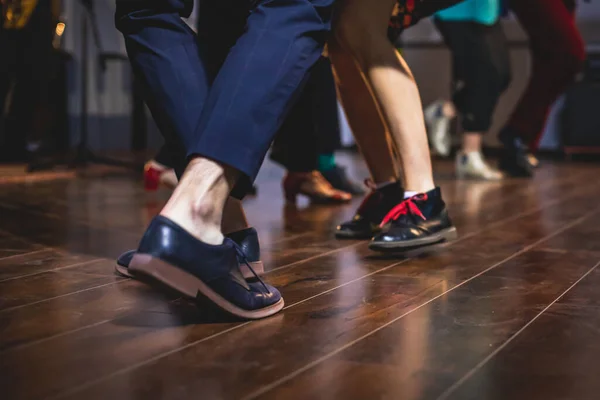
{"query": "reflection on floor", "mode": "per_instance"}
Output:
(509, 311)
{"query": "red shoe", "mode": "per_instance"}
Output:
(156, 174)
(314, 186)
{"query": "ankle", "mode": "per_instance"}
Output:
(421, 187)
(198, 201)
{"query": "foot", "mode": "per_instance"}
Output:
(438, 128)
(171, 256)
(314, 186)
(156, 174)
(338, 178)
(514, 160)
(417, 222)
(246, 239)
(473, 166)
(370, 214)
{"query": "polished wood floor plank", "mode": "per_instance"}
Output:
(318, 326)
(16, 293)
(423, 354)
(37, 262)
(555, 357)
(47, 330)
(88, 342)
(11, 246)
(43, 321)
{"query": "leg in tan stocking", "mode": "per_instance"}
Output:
(421, 220)
(363, 116)
(361, 30)
(371, 135)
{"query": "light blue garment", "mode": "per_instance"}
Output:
(484, 12)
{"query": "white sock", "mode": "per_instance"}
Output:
(408, 194)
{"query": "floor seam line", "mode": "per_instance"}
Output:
(158, 357)
(448, 392)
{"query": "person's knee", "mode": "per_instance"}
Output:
(360, 38)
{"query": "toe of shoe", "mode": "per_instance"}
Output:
(263, 296)
(398, 235)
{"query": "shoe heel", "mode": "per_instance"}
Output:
(151, 179)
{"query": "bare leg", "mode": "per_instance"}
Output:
(197, 203)
(361, 32)
(472, 142)
(363, 116)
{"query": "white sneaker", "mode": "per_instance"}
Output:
(438, 128)
(473, 166)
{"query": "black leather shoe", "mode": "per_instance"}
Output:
(417, 222)
(246, 239)
(514, 158)
(170, 255)
(339, 179)
(371, 212)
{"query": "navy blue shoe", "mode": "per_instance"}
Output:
(173, 257)
(246, 239)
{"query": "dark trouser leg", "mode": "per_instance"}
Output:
(258, 82)
(325, 108)
(175, 68)
(165, 57)
(312, 125)
(481, 70)
(557, 52)
(295, 145)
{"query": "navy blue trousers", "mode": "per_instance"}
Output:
(224, 93)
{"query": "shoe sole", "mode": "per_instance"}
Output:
(445, 235)
(193, 288)
(257, 266)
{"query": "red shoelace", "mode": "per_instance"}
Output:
(408, 206)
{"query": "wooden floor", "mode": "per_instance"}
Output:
(509, 311)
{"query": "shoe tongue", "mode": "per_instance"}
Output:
(430, 206)
(380, 200)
